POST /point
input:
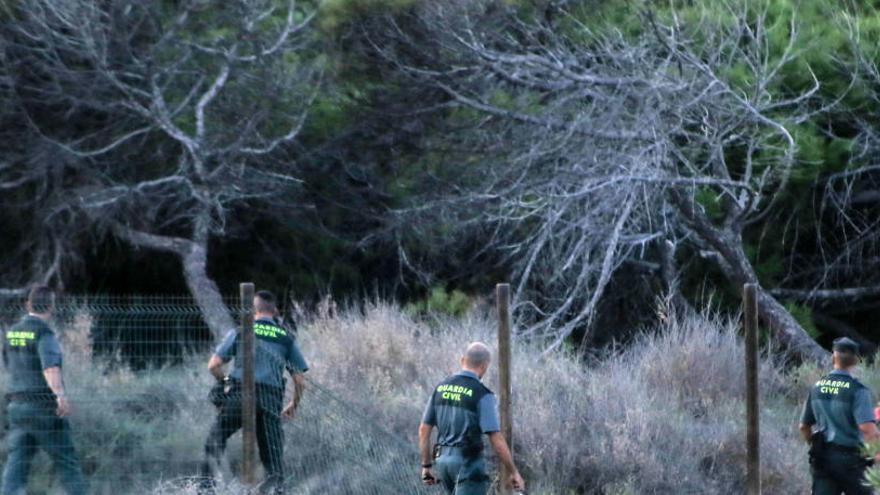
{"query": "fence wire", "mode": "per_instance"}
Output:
(134, 371)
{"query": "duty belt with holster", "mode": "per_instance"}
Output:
(819, 445)
(220, 391)
(466, 452)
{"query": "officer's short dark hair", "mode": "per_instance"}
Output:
(846, 359)
(477, 354)
(266, 302)
(41, 299)
(846, 345)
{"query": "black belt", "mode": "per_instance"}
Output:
(843, 448)
(466, 452)
(260, 388)
(47, 397)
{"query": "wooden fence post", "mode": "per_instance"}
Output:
(248, 387)
(502, 294)
(753, 436)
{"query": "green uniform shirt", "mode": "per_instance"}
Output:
(275, 351)
(837, 405)
(30, 347)
(462, 409)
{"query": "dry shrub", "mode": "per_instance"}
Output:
(665, 415)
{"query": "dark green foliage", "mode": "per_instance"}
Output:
(440, 301)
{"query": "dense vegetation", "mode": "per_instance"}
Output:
(415, 149)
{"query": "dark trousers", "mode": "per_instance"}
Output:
(462, 474)
(270, 436)
(836, 473)
(35, 426)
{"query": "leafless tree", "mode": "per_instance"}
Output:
(29, 190)
(594, 149)
(172, 113)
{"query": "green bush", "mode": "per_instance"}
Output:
(442, 302)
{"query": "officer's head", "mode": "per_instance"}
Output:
(265, 303)
(41, 300)
(845, 353)
(477, 358)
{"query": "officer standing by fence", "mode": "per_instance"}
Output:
(275, 351)
(38, 407)
(838, 417)
(463, 409)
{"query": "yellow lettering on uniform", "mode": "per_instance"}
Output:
(19, 339)
(456, 390)
(825, 386)
(268, 330)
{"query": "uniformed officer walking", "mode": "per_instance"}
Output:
(463, 410)
(275, 352)
(38, 407)
(838, 417)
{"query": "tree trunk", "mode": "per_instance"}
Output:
(205, 291)
(738, 270)
(193, 256)
(787, 330)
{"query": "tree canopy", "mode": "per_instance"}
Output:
(600, 155)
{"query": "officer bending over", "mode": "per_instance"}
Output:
(838, 417)
(275, 351)
(463, 409)
(38, 407)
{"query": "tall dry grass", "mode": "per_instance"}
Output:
(664, 415)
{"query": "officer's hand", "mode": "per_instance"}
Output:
(516, 482)
(63, 407)
(289, 411)
(428, 477)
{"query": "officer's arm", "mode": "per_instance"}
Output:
(869, 431)
(863, 414)
(499, 445)
(297, 366)
(56, 384)
(215, 366)
(806, 432)
(53, 378)
(299, 387)
(425, 446)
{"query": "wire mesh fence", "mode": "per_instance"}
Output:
(135, 379)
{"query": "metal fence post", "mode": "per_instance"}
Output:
(753, 446)
(249, 396)
(502, 293)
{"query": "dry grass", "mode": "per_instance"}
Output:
(608, 429)
(662, 416)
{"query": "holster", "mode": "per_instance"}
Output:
(219, 393)
(817, 444)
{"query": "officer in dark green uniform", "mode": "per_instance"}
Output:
(838, 417)
(275, 352)
(463, 410)
(38, 407)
